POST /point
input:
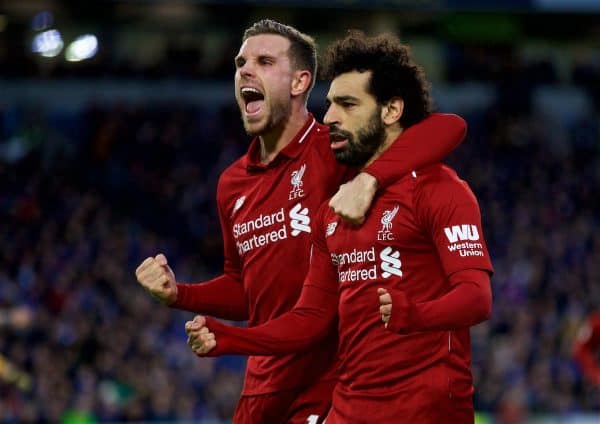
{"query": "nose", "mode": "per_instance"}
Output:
(330, 117)
(246, 70)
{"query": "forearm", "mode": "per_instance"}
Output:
(468, 303)
(222, 297)
(311, 320)
(422, 144)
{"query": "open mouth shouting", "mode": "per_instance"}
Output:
(253, 100)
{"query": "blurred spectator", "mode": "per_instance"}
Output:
(587, 349)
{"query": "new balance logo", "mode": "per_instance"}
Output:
(300, 221)
(238, 204)
(390, 263)
(330, 228)
(461, 232)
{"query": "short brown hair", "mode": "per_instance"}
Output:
(303, 49)
(394, 74)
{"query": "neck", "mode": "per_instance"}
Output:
(391, 135)
(273, 141)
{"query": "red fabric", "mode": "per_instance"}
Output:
(469, 302)
(437, 394)
(208, 298)
(266, 212)
(311, 320)
(399, 247)
(295, 406)
(423, 144)
(587, 347)
(403, 245)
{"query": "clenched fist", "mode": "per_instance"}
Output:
(155, 275)
(200, 339)
(353, 199)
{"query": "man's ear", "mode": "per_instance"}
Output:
(391, 112)
(301, 82)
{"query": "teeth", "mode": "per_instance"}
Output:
(250, 90)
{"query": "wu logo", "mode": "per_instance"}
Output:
(461, 232)
(296, 181)
(299, 220)
(390, 263)
(386, 224)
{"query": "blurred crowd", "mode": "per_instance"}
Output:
(85, 198)
(76, 221)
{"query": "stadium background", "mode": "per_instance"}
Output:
(116, 118)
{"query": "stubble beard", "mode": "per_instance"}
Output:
(276, 114)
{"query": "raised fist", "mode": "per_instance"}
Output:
(155, 275)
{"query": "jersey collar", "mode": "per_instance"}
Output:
(291, 151)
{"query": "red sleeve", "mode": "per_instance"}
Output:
(447, 209)
(224, 296)
(586, 347)
(312, 318)
(422, 144)
(468, 302)
(221, 297)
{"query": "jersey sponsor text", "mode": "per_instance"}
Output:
(262, 221)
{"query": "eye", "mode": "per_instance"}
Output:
(265, 61)
(239, 62)
(347, 105)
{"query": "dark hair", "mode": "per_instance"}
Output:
(394, 74)
(303, 49)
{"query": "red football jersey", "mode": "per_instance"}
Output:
(419, 231)
(266, 219)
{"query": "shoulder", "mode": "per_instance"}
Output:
(440, 178)
(236, 170)
(318, 137)
(440, 184)
(229, 179)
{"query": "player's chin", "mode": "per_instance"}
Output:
(254, 127)
(344, 155)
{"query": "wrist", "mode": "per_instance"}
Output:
(220, 331)
(171, 299)
(368, 181)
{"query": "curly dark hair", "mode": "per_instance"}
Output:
(394, 74)
(303, 49)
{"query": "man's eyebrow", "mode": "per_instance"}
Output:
(260, 57)
(266, 56)
(342, 99)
